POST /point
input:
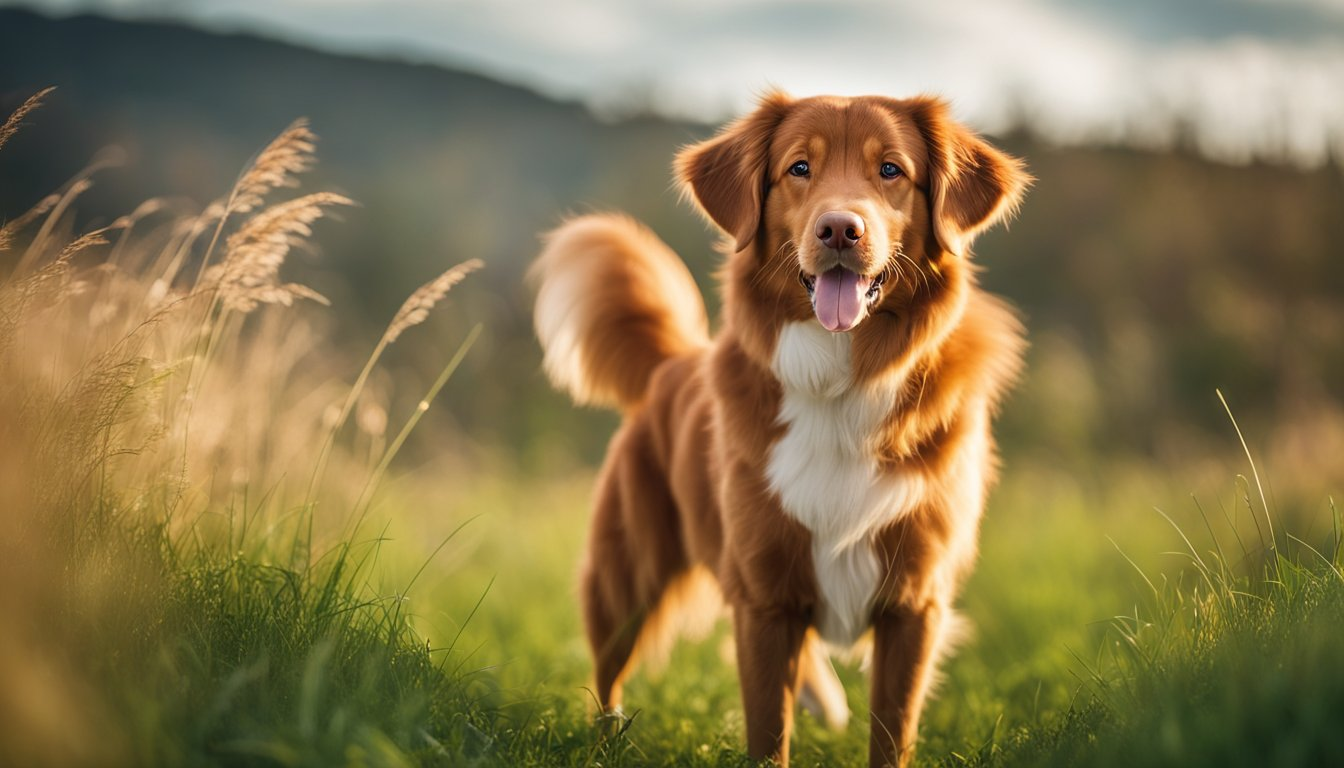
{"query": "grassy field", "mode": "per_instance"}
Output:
(210, 556)
(1075, 658)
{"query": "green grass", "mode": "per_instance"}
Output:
(215, 656)
(1075, 660)
(250, 663)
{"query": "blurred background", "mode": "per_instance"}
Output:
(1185, 232)
(1185, 235)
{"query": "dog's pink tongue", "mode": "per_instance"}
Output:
(838, 297)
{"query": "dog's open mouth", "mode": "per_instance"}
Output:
(840, 298)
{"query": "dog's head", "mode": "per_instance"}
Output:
(849, 204)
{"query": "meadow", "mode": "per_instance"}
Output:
(211, 553)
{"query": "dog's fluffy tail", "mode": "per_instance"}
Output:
(613, 302)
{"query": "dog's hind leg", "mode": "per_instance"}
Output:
(819, 689)
(612, 632)
(612, 615)
(634, 554)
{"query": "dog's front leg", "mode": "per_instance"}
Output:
(904, 648)
(768, 645)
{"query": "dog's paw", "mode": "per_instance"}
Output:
(824, 697)
(612, 723)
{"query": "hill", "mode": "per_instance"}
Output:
(1147, 278)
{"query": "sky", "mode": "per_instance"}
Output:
(1241, 79)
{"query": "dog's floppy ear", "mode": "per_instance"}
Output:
(972, 185)
(726, 175)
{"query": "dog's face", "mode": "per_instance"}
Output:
(850, 205)
(843, 196)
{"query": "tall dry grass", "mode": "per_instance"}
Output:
(171, 426)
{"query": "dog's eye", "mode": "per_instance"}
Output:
(889, 170)
(800, 168)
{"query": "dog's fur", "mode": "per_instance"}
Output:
(832, 483)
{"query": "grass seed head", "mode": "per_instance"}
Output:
(249, 274)
(12, 124)
(290, 154)
(17, 224)
(417, 306)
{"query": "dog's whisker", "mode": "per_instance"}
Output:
(780, 263)
(892, 270)
(900, 254)
(785, 263)
(895, 266)
(900, 270)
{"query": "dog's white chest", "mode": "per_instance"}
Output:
(827, 478)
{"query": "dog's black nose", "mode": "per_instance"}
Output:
(839, 229)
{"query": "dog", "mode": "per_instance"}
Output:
(826, 455)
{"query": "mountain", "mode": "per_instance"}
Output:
(1147, 279)
(453, 164)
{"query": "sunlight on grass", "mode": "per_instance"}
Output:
(1052, 602)
(176, 596)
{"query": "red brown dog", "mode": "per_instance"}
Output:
(826, 455)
